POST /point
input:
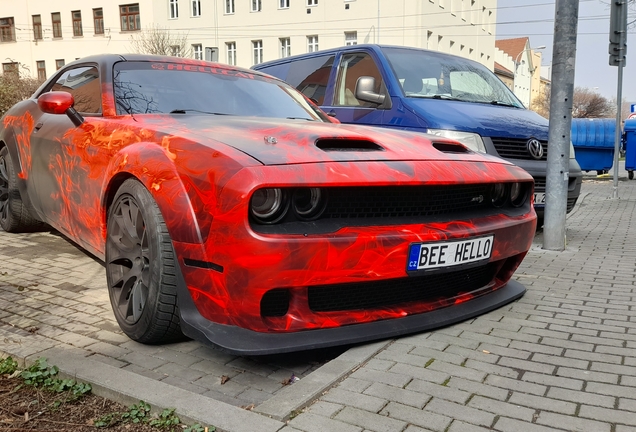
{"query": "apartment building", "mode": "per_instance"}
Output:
(40, 36)
(519, 67)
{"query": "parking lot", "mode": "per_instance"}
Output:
(561, 358)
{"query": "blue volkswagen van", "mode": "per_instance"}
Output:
(430, 92)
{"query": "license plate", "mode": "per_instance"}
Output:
(426, 256)
(539, 198)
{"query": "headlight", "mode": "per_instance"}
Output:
(308, 203)
(572, 151)
(498, 194)
(518, 194)
(269, 205)
(471, 140)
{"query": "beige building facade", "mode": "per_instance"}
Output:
(40, 36)
(519, 67)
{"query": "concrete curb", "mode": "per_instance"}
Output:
(127, 387)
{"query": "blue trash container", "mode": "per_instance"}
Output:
(630, 146)
(593, 141)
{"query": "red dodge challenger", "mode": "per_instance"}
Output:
(228, 208)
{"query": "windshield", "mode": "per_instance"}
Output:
(151, 88)
(427, 74)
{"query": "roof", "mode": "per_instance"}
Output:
(512, 47)
(501, 70)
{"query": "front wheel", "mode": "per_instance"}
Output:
(140, 267)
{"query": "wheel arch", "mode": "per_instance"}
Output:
(153, 167)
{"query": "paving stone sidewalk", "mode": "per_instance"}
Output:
(561, 358)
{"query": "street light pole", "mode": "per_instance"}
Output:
(516, 65)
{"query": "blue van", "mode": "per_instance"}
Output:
(431, 92)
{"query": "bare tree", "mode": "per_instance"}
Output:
(15, 87)
(160, 41)
(586, 103)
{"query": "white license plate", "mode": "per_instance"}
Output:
(539, 198)
(426, 256)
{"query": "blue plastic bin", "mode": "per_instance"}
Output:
(630, 146)
(593, 141)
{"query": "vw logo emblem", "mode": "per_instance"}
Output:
(535, 148)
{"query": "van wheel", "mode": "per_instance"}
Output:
(140, 267)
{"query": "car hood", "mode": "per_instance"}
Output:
(280, 141)
(485, 119)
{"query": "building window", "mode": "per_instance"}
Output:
(312, 2)
(312, 43)
(230, 52)
(41, 70)
(59, 64)
(283, 4)
(7, 30)
(256, 5)
(229, 6)
(197, 51)
(175, 51)
(130, 19)
(351, 38)
(429, 36)
(56, 18)
(37, 27)
(77, 23)
(285, 47)
(98, 20)
(257, 48)
(10, 68)
(174, 9)
(196, 8)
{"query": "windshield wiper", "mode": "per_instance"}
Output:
(437, 96)
(185, 111)
(300, 118)
(495, 102)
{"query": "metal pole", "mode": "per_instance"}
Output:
(563, 59)
(617, 137)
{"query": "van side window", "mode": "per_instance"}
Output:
(352, 67)
(311, 76)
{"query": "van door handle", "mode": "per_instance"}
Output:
(331, 113)
(38, 126)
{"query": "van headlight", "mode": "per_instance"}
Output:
(471, 140)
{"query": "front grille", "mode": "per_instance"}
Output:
(515, 148)
(571, 204)
(275, 303)
(391, 292)
(404, 201)
(539, 184)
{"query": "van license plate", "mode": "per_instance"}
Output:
(539, 198)
(426, 256)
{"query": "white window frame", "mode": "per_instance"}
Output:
(257, 51)
(195, 8)
(312, 43)
(173, 7)
(175, 50)
(283, 4)
(257, 5)
(197, 51)
(285, 47)
(230, 53)
(229, 7)
(351, 38)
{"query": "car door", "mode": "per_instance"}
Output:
(344, 105)
(54, 172)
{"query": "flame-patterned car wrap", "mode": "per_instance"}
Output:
(260, 288)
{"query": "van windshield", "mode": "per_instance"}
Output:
(428, 74)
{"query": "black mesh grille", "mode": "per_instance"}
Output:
(514, 148)
(386, 293)
(275, 303)
(404, 201)
(539, 184)
(571, 203)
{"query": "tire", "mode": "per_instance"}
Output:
(14, 215)
(140, 267)
(539, 222)
(630, 174)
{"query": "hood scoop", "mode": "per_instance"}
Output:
(347, 145)
(450, 147)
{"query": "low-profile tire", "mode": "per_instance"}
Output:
(630, 174)
(140, 267)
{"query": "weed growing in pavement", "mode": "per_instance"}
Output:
(40, 374)
(136, 413)
(8, 366)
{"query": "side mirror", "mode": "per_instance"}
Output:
(58, 102)
(365, 92)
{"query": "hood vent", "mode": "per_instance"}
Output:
(340, 144)
(450, 147)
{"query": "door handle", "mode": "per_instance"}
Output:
(38, 126)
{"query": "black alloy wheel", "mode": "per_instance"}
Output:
(14, 215)
(4, 190)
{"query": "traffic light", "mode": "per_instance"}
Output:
(618, 32)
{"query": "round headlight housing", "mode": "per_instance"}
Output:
(517, 194)
(498, 194)
(309, 203)
(269, 205)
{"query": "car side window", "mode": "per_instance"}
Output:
(353, 66)
(83, 84)
(311, 76)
